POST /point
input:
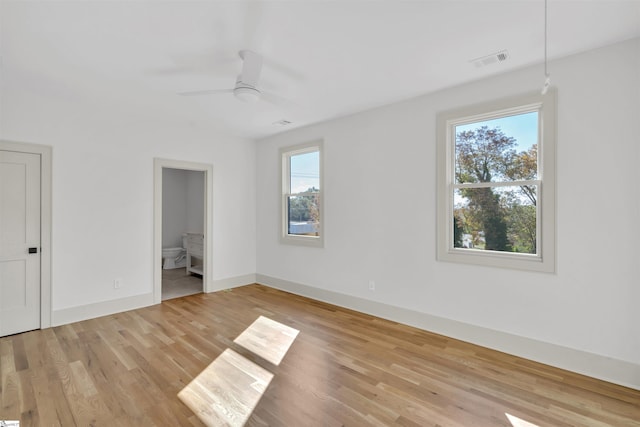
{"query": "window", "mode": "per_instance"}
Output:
(302, 213)
(496, 189)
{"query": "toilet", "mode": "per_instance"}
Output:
(175, 257)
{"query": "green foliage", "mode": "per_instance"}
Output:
(497, 219)
(484, 207)
(524, 166)
(522, 228)
(305, 207)
(483, 154)
(458, 232)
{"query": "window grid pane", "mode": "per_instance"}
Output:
(502, 219)
(304, 170)
(497, 150)
(301, 195)
(303, 213)
(490, 213)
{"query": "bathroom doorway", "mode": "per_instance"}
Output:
(182, 231)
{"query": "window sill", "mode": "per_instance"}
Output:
(312, 241)
(514, 261)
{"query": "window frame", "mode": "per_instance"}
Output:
(545, 258)
(285, 185)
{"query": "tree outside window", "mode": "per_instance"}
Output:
(491, 201)
(497, 217)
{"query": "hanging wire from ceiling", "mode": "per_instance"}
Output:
(547, 77)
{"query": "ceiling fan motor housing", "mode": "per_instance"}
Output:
(246, 93)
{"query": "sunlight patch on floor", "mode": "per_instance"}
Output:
(268, 339)
(517, 422)
(228, 390)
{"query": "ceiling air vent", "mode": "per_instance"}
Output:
(494, 58)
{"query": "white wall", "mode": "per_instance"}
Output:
(182, 205)
(195, 202)
(380, 224)
(174, 207)
(103, 190)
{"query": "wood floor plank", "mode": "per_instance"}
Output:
(343, 368)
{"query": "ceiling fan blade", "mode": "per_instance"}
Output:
(205, 92)
(251, 67)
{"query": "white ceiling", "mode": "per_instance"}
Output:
(329, 58)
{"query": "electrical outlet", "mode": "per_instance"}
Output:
(372, 285)
(117, 283)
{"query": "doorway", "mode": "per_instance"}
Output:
(25, 237)
(182, 228)
(182, 232)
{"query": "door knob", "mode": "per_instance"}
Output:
(33, 250)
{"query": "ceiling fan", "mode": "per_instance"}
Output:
(246, 87)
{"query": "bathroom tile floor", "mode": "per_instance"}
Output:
(176, 283)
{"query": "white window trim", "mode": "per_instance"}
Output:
(285, 168)
(545, 260)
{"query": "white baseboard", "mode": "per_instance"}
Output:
(98, 309)
(590, 364)
(232, 282)
(105, 308)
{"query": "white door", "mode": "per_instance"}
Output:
(19, 242)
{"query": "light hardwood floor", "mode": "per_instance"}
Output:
(342, 369)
